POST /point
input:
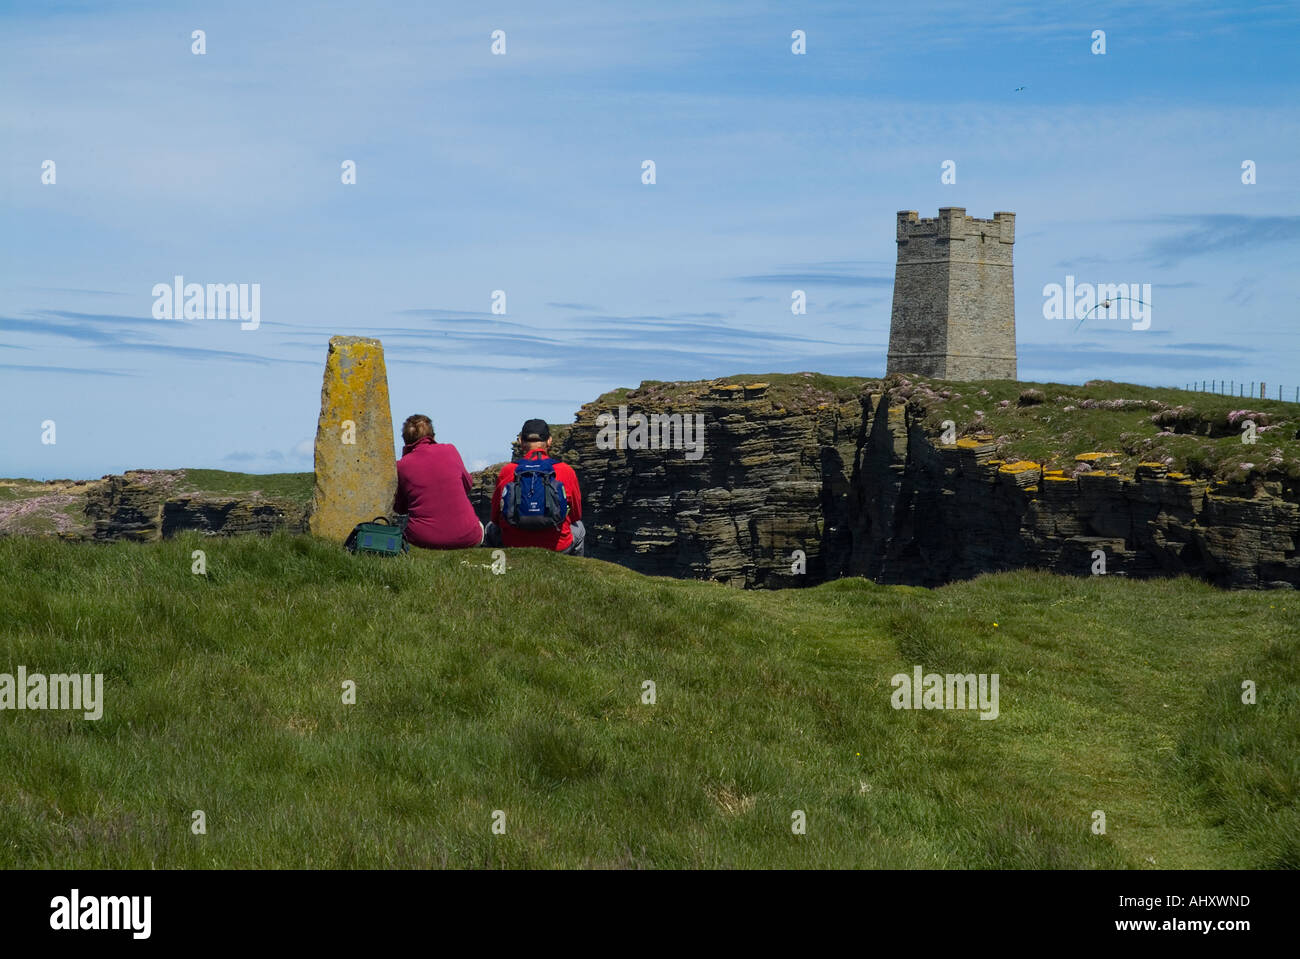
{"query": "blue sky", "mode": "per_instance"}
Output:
(522, 173)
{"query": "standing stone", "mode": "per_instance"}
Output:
(356, 473)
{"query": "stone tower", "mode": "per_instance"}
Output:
(954, 312)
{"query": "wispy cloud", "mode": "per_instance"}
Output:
(200, 353)
(73, 331)
(818, 279)
(1203, 234)
(71, 370)
(69, 290)
(1039, 356)
(114, 319)
(1243, 291)
(436, 314)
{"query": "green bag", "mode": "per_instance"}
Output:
(379, 538)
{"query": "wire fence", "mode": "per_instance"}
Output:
(1251, 390)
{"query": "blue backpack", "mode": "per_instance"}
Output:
(534, 499)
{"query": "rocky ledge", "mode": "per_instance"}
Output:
(805, 478)
(805, 483)
(143, 505)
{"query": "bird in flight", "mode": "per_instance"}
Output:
(1017, 89)
(1106, 305)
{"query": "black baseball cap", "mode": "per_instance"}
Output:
(535, 431)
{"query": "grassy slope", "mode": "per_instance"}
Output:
(521, 692)
(292, 486)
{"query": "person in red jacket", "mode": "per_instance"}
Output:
(570, 536)
(433, 489)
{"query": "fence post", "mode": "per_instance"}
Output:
(1263, 390)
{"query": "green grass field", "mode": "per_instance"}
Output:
(522, 692)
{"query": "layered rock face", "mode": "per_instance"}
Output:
(770, 481)
(854, 483)
(926, 515)
(145, 505)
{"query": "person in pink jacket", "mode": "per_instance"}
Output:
(433, 489)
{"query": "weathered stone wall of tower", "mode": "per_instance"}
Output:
(918, 329)
(954, 312)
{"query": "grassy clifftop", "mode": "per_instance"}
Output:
(1195, 433)
(1051, 423)
(58, 507)
(522, 692)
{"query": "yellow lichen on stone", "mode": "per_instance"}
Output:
(1058, 479)
(1019, 466)
(967, 443)
(1093, 457)
(356, 474)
